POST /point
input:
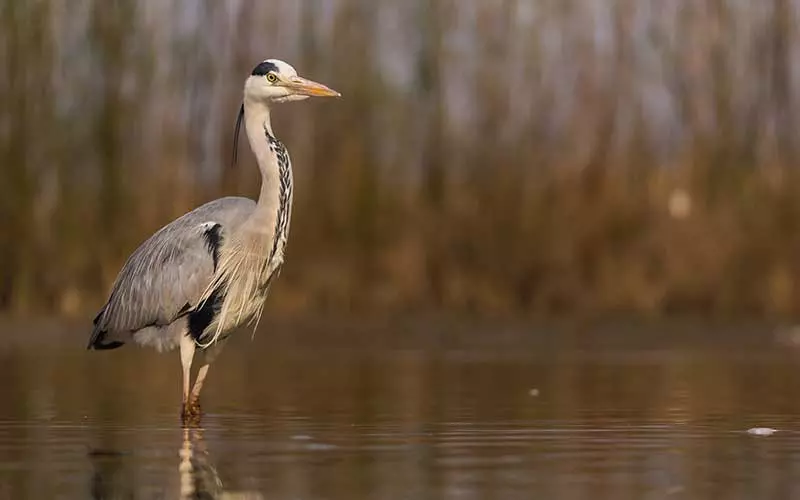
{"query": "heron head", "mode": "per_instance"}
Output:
(271, 81)
(276, 81)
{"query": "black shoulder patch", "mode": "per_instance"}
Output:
(199, 319)
(213, 236)
(264, 68)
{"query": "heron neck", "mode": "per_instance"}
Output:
(259, 129)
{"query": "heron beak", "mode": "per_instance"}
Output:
(304, 86)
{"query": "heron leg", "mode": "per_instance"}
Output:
(194, 397)
(209, 355)
(187, 355)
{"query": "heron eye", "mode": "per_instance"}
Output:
(271, 78)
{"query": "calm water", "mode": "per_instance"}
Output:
(416, 411)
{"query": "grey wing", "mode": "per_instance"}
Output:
(164, 278)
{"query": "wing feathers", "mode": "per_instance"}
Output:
(164, 278)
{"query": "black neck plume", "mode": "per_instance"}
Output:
(236, 135)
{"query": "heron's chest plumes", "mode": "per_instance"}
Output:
(251, 257)
(284, 201)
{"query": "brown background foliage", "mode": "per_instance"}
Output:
(508, 157)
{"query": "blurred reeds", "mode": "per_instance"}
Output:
(502, 157)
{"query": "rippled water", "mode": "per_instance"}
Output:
(417, 411)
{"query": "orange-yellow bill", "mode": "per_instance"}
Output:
(305, 86)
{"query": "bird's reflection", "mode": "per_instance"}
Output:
(112, 476)
(199, 477)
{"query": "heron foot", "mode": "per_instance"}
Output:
(191, 410)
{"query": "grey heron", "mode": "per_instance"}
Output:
(209, 271)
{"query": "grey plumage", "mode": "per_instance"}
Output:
(164, 279)
(201, 276)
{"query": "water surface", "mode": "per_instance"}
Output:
(414, 410)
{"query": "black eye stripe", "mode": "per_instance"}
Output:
(264, 68)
